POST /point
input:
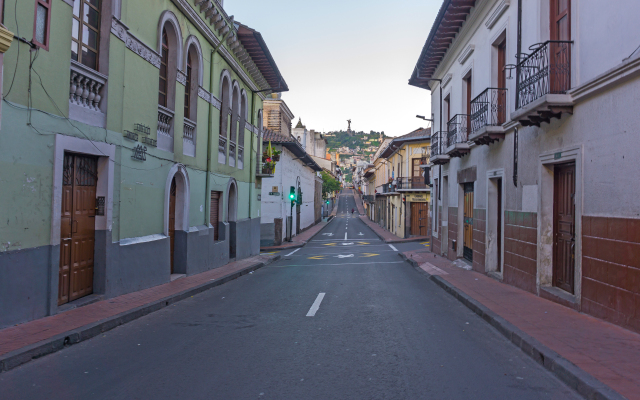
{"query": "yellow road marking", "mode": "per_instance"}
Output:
(424, 242)
(370, 255)
(329, 244)
(316, 258)
(363, 243)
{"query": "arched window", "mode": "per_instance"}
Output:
(164, 70)
(169, 48)
(235, 117)
(225, 88)
(187, 88)
(242, 122)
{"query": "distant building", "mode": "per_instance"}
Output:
(277, 115)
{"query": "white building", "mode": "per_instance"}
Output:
(543, 150)
(295, 169)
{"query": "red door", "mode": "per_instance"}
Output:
(564, 226)
(77, 227)
(502, 83)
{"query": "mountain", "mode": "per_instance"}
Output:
(367, 142)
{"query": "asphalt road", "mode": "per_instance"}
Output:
(382, 330)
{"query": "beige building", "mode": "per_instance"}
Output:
(277, 116)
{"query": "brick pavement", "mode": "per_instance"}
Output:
(607, 352)
(23, 335)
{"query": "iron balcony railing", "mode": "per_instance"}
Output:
(416, 182)
(369, 198)
(545, 71)
(388, 188)
(458, 129)
(489, 109)
(437, 143)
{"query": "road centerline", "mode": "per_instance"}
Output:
(316, 305)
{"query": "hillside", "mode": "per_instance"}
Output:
(367, 142)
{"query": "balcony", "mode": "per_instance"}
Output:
(85, 95)
(438, 156)
(165, 129)
(412, 184)
(265, 170)
(457, 135)
(369, 198)
(544, 77)
(387, 188)
(488, 113)
(188, 138)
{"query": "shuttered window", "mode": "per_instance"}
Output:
(214, 216)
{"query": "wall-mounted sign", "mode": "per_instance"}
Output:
(274, 189)
(419, 197)
(259, 197)
(140, 153)
(274, 193)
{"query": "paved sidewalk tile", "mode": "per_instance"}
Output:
(608, 352)
(29, 333)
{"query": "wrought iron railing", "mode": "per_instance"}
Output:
(438, 143)
(416, 182)
(489, 108)
(545, 71)
(458, 129)
(369, 198)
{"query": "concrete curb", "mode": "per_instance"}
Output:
(574, 377)
(22, 356)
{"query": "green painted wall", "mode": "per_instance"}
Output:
(26, 151)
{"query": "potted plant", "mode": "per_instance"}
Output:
(276, 155)
(269, 167)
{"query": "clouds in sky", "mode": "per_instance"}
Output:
(348, 59)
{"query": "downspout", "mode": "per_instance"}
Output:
(207, 194)
(518, 52)
(251, 166)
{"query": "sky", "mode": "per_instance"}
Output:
(348, 59)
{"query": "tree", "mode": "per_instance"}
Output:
(329, 184)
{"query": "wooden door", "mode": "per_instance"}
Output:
(77, 227)
(468, 221)
(564, 226)
(419, 219)
(172, 219)
(499, 230)
(559, 53)
(502, 83)
(214, 213)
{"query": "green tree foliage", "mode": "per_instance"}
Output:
(329, 184)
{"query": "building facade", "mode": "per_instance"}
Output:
(124, 162)
(281, 217)
(277, 115)
(534, 158)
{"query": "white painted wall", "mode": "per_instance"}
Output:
(286, 174)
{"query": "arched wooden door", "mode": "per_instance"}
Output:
(172, 219)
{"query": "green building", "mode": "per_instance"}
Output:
(129, 147)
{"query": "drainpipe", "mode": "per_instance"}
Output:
(518, 52)
(207, 194)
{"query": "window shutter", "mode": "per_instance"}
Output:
(213, 213)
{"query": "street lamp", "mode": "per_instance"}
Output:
(423, 117)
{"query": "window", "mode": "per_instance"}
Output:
(85, 32)
(417, 172)
(187, 89)
(41, 25)
(164, 61)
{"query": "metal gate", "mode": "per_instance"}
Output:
(564, 226)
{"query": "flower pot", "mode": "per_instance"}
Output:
(276, 158)
(6, 37)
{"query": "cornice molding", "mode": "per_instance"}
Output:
(466, 53)
(497, 13)
(446, 80)
(209, 98)
(194, 17)
(621, 73)
(181, 78)
(121, 31)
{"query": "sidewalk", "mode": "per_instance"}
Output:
(22, 343)
(556, 336)
(389, 237)
(302, 238)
